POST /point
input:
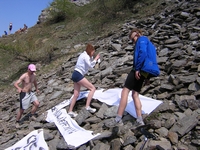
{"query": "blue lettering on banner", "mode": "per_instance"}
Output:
(31, 144)
(63, 121)
(53, 109)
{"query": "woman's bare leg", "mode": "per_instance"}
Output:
(77, 88)
(85, 83)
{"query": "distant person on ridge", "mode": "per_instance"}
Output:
(10, 28)
(5, 33)
(84, 63)
(25, 28)
(19, 31)
(26, 95)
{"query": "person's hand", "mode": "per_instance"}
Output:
(97, 57)
(19, 90)
(37, 91)
(137, 75)
(146, 82)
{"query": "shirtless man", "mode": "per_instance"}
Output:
(26, 95)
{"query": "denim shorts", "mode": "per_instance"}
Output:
(77, 76)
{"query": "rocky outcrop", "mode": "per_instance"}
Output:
(175, 123)
(45, 13)
(43, 16)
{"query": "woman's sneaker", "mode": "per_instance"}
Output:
(72, 114)
(91, 110)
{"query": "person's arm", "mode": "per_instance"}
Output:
(16, 84)
(141, 53)
(97, 57)
(90, 63)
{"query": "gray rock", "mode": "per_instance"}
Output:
(111, 112)
(173, 137)
(185, 124)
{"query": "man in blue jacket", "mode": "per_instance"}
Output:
(144, 66)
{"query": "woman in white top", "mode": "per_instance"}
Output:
(84, 63)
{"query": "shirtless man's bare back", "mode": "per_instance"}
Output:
(26, 95)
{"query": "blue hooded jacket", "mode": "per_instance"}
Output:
(145, 56)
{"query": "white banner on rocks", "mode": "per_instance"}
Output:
(113, 96)
(32, 141)
(73, 134)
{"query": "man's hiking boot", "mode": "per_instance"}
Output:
(91, 110)
(18, 124)
(137, 125)
(112, 123)
(32, 118)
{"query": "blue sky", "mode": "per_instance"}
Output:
(20, 12)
